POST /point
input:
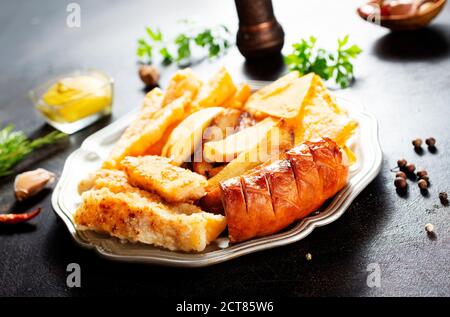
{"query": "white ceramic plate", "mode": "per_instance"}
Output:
(96, 147)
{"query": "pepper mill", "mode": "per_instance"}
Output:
(259, 34)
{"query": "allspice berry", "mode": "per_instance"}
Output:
(426, 178)
(400, 183)
(423, 184)
(443, 197)
(401, 175)
(149, 75)
(431, 142)
(422, 173)
(402, 163)
(410, 167)
(417, 143)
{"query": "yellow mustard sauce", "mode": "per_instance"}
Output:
(74, 98)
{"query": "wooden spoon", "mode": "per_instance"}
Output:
(401, 15)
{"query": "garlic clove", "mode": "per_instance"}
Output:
(30, 183)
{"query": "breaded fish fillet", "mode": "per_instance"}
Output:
(116, 181)
(136, 217)
(157, 174)
(110, 204)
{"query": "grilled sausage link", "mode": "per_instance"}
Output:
(273, 196)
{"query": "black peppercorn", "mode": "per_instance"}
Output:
(431, 142)
(401, 163)
(423, 184)
(400, 174)
(400, 183)
(417, 143)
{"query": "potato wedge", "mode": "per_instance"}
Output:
(147, 130)
(156, 148)
(278, 139)
(182, 81)
(216, 91)
(237, 101)
(320, 116)
(229, 148)
(188, 134)
(283, 98)
(153, 101)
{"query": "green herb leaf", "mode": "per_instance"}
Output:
(167, 57)
(204, 38)
(15, 146)
(183, 47)
(214, 41)
(144, 50)
(305, 59)
(156, 36)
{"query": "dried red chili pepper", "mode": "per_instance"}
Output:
(17, 218)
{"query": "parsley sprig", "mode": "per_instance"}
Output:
(306, 58)
(15, 145)
(213, 41)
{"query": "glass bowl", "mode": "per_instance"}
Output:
(73, 101)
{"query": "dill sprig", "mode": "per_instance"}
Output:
(15, 146)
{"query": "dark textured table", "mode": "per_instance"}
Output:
(403, 79)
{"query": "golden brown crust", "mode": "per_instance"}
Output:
(157, 174)
(136, 216)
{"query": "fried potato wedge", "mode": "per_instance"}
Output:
(147, 129)
(278, 140)
(237, 101)
(229, 148)
(182, 81)
(188, 135)
(320, 116)
(216, 91)
(156, 149)
(157, 174)
(283, 98)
